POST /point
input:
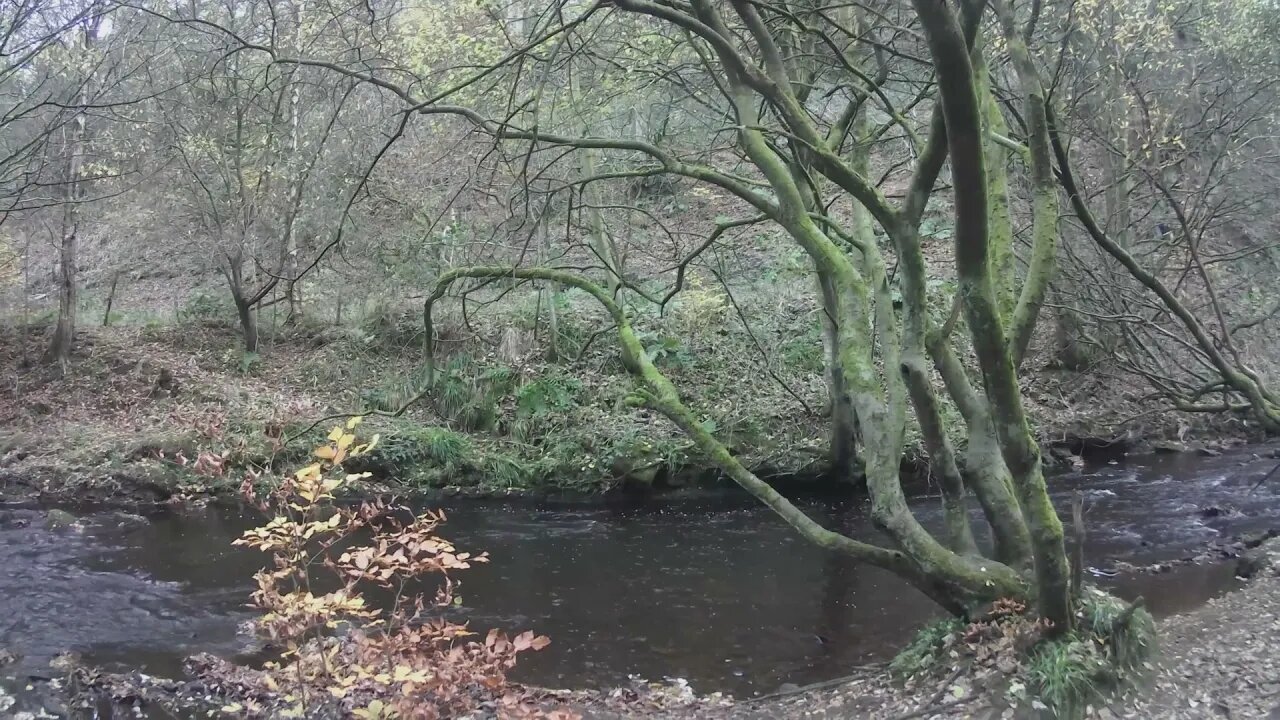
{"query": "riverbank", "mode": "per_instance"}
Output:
(1217, 661)
(140, 405)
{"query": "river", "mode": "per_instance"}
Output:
(714, 590)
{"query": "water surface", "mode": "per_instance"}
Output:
(717, 591)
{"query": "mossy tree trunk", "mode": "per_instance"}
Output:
(961, 107)
(843, 429)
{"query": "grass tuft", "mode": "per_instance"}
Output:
(925, 650)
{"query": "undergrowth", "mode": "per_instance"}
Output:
(1104, 655)
(341, 654)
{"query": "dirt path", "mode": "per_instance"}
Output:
(1221, 661)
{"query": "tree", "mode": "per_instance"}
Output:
(262, 161)
(73, 185)
(789, 80)
(46, 80)
(1179, 160)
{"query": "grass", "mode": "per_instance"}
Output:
(924, 651)
(1069, 675)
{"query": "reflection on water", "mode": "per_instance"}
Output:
(716, 591)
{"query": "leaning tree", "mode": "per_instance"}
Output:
(785, 108)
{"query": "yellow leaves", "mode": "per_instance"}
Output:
(373, 711)
(404, 673)
(341, 444)
(309, 472)
(392, 663)
(362, 449)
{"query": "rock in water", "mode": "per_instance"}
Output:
(57, 519)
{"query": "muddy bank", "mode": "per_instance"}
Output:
(148, 482)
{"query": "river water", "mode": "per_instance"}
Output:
(717, 590)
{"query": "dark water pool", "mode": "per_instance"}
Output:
(718, 591)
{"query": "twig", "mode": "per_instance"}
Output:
(1264, 479)
(363, 414)
(815, 686)
(937, 696)
(930, 709)
(1122, 620)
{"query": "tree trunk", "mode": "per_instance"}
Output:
(964, 134)
(844, 428)
(111, 298)
(552, 291)
(59, 350)
(248, 325)
(1069, 353)
(244, 308)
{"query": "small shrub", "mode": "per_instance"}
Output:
(1099, 659)
(502, 470)
(804, 352)
(403, 661)
(207, 310)
(1068, 675)
(388, 326)
(249, 362)
(665, 350)
(541, 405)
(1062, 676)
(1127, 633)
